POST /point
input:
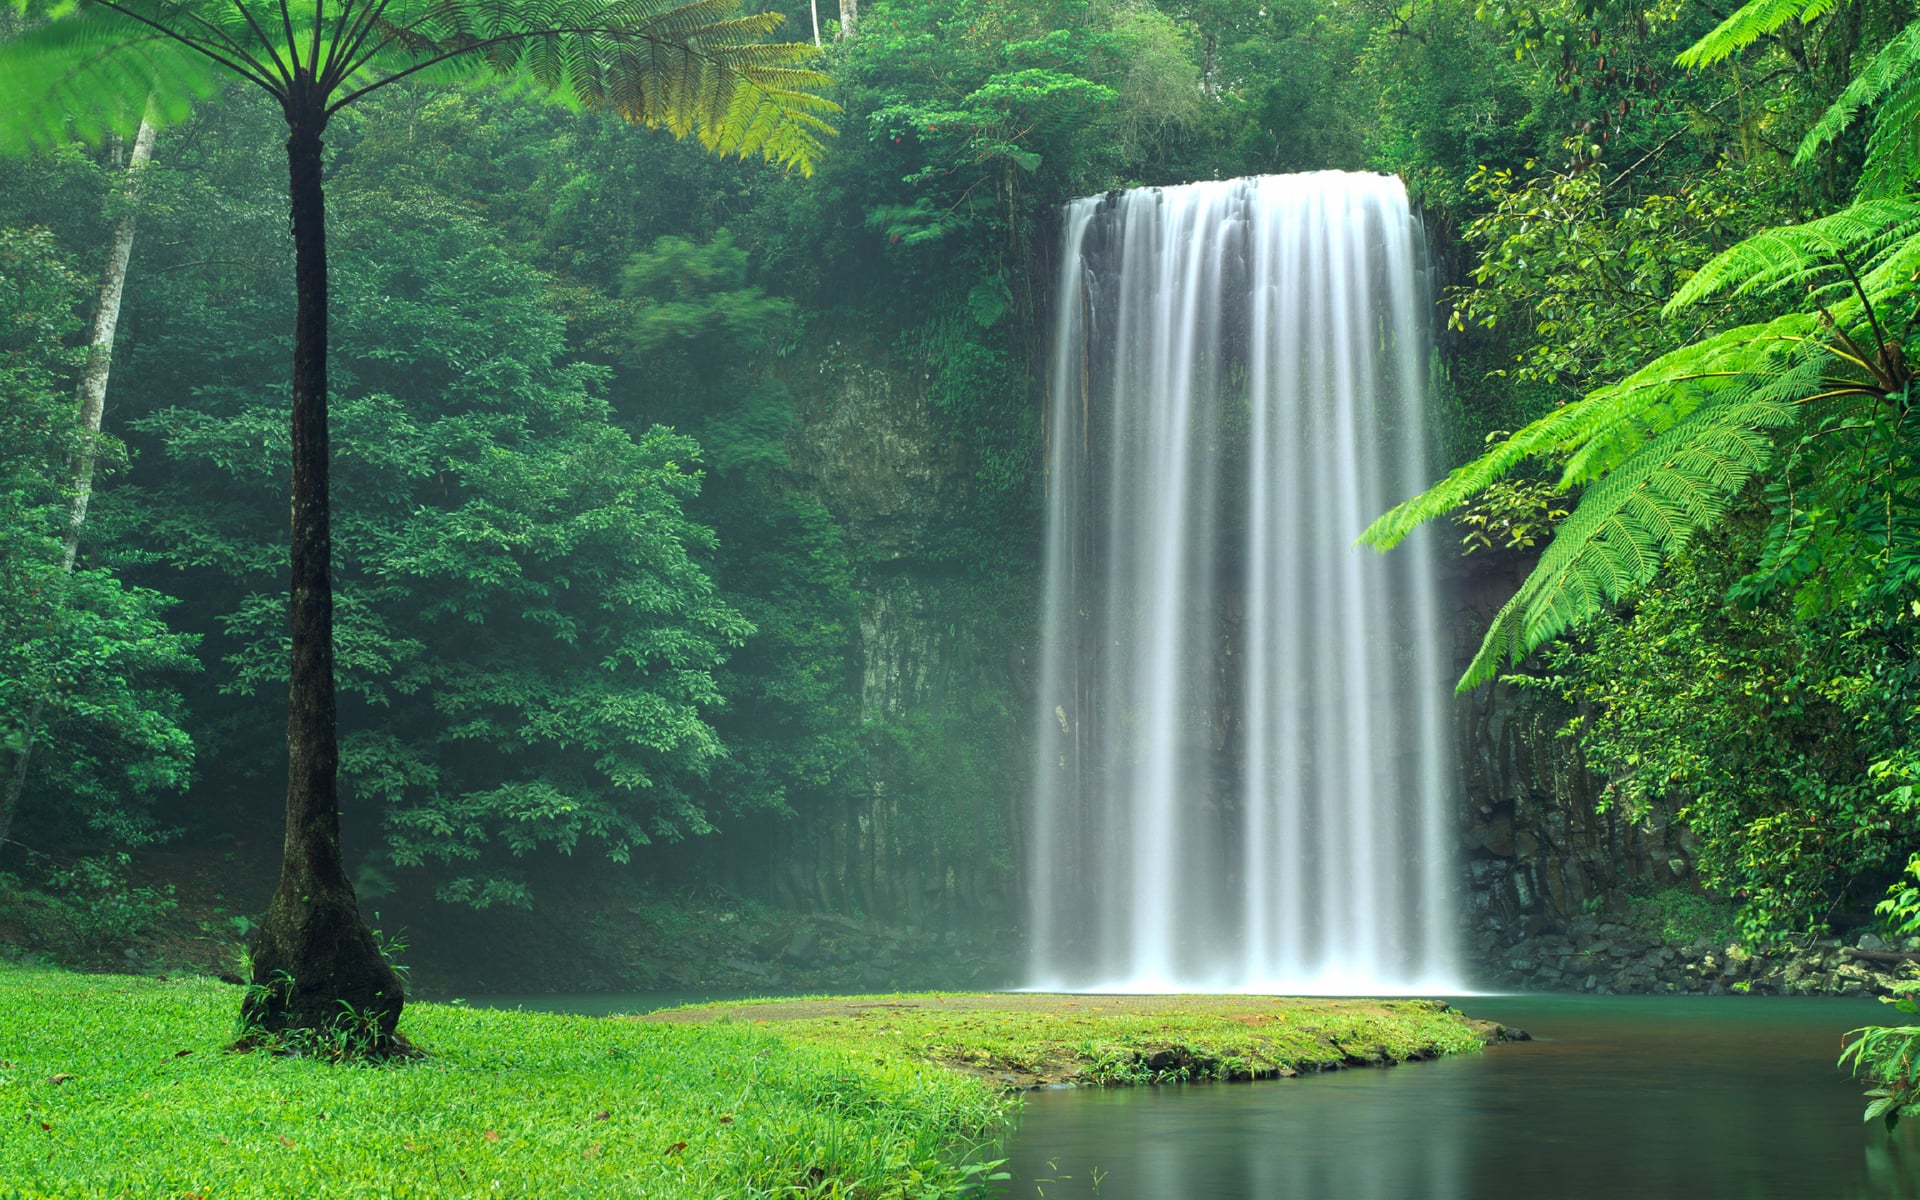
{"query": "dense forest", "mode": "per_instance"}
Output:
(686, 506)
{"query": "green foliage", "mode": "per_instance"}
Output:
(697, 298)
(85, 661)
(90, 904)
(1747, 25)
(527, 625)
(1580, 270)
(1887, 1055)
(1510, 514)
(699, 68)
(1680, 916)
(1778, 741)
(1900, 909)
(1673, 445)
(1888, 84)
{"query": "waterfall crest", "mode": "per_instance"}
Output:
(1241, 781)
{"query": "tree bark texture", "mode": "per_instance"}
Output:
(849, 17)
(316, 966)
(93, 407)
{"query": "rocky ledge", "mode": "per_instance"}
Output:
(1607, 958)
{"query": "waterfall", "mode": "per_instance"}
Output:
(1241, 778)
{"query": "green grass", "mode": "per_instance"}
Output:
(148, 1103)
(1113, 1039)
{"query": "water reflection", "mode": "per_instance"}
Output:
(1731, 1099)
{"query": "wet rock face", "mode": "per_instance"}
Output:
(1539, 856)
(1548, 877)
(918, 833)
(1605, 957)
(868, 445)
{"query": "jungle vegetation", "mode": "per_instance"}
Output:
(588, 598)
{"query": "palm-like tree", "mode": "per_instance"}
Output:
(99, 66)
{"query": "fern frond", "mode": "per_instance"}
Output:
(95, 72)
(1809, 254)
(1607, 425)
(1748, 24)
(1648, 508)
(1884, 72)
(1893, 153)
(698, 68)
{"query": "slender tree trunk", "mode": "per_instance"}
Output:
(93, 406)
(315, 964)
(849, 17)
(816, 22)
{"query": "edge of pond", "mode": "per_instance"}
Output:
(1022, 1041)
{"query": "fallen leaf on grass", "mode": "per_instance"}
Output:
(491, 1135)
(57, 1080)
(726, 1120)
(286, 1141)
(592, 1151)
(676, 1148)
(602, 1115)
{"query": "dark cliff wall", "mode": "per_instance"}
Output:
(921, 834)
(1539, 857)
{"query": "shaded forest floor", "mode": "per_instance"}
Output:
(188, 907)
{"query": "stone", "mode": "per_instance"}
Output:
(803, 949)
(1498, 837)
(1872, 943)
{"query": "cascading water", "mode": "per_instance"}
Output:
(1242, 781)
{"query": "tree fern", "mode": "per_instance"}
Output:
(1602, 429)
(1747, 25)
(1890, 73)
(1648, 508)
(696, 68)
(1669, 449)
(699, 68)
(1821, 256)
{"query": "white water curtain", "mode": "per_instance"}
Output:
(1241, 780)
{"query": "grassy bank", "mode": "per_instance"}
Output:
(1025, 1040)
(120, 1086)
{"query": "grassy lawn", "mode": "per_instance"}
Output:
(122, 1086)
(1023, 1040)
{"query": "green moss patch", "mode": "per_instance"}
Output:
(122, 1086)
(1032, 1040)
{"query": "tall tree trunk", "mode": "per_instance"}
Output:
(849, 17)
(315, 964)
(816, 22)
(93, 406)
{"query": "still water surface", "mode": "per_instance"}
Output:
(1731, 1098)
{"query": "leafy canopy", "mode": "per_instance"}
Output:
(1667, 451)
(98, 66)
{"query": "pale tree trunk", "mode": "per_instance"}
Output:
(93, 406)
(816, 22)
(849, 17)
